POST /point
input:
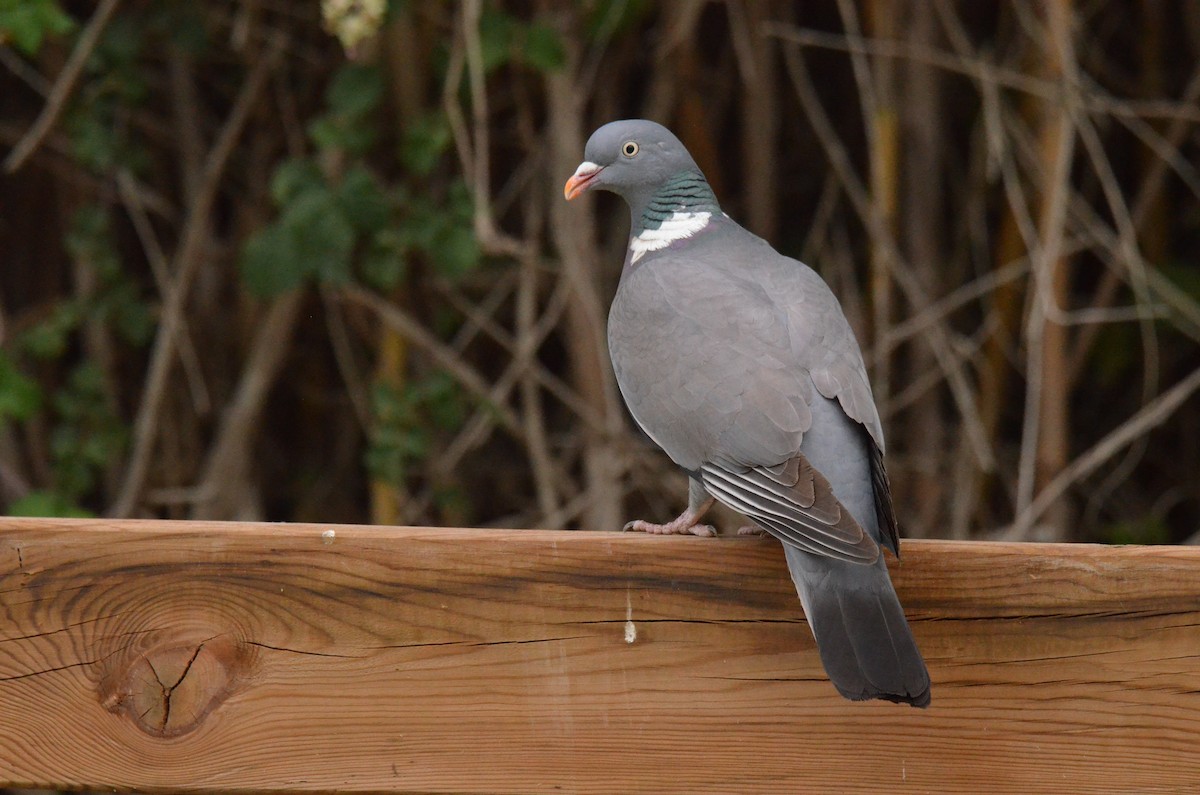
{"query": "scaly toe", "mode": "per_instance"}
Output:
(670, 528)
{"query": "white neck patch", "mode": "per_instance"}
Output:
(677, 227)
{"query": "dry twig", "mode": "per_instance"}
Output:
(63, 87)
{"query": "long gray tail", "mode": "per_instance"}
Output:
(864, 640)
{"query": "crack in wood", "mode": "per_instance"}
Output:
(300, 651)
(513, 642)
(49, 632)
(57, 668)
(167, 691)
(47, 670)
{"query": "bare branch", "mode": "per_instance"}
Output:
(1147, 418)
(64, 85)
(187, 261)
(442, 354)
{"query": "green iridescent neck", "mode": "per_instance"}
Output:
(686, 192)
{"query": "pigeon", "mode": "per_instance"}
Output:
(739, 363)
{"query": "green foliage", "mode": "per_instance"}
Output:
(543, 48)
(27, 23)
(367, 208)
(293, 178)
(20, 396)
(117, 300)
(319, 225)
(46, 503)
(444, 231)
(94, 137)
(49, 338)
(406, 421)
(497, 37)
(1145, 530)
(424, 142)
(352, 98)
(97, 120)
(88, 434)
(332, 232)
(615, 17)
(182, 24)
(384, 264)
(506, 39)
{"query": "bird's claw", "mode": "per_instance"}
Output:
(683, 525)
(751, 530)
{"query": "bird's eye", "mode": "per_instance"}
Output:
(629, 148)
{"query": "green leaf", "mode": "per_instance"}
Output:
(26, 23)
(87, 230)
(130, 316)
(363, 202)
(294, 177)
(353, 94)
(443, 397)
(48, 339)
(454, 249)
(270, 265)
(543, 48)
(452, 501)
(46, 503)
(87, 435)
(497, 33)
(398, 438)
(385, 262)
(94, 140)
(420, 225)
(425, 141)
(322, 238)
(455, 252)
(20, 396)
(335, 132)
(355, 91)
(312, 238)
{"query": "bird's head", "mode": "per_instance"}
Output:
(631, 158)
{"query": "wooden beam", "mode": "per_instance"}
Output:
(213, 657)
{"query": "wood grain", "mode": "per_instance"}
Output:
(191, 657)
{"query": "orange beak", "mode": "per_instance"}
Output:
(581, 180)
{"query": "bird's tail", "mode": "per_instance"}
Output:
(865, 643)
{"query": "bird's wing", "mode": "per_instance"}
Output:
(718, 365)
(795, 503)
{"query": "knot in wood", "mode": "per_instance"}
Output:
(169, 689)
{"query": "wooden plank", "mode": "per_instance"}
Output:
(192, 657)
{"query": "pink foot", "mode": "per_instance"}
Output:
(686, 522)
(751, 530)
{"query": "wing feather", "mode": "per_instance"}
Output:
(804, 514)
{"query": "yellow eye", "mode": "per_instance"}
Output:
(629, 148)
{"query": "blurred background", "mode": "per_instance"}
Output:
(311, 261)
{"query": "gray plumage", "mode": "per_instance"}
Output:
(739, 363)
